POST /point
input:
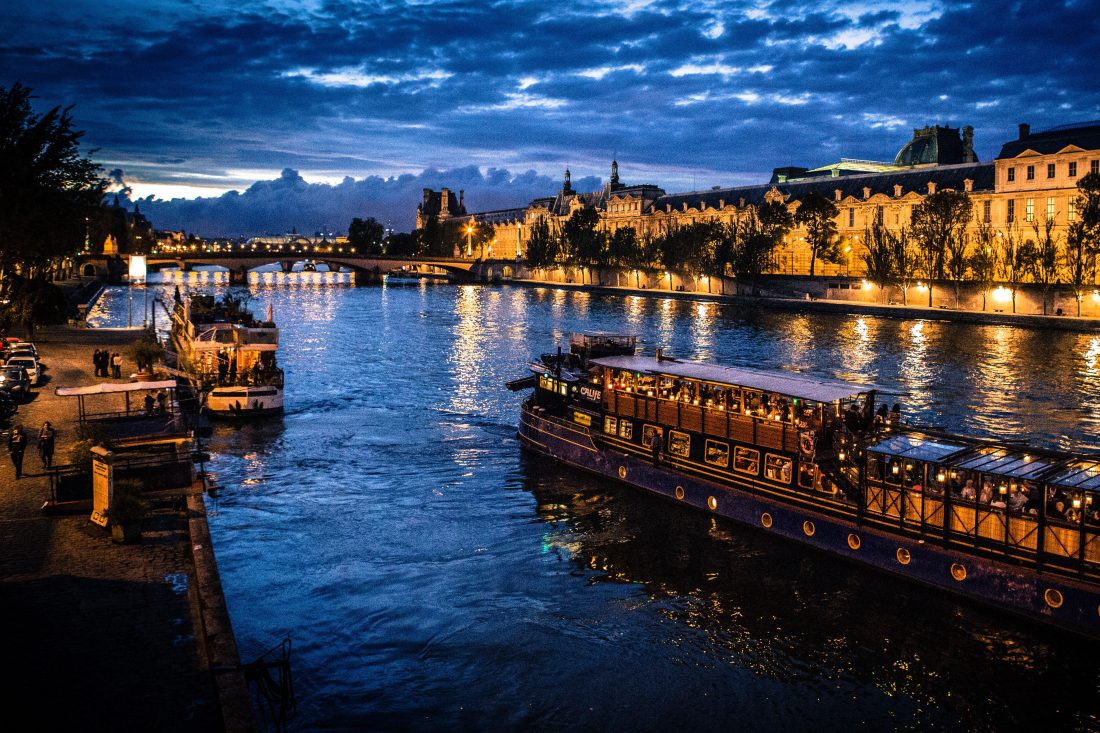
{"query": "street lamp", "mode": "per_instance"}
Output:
(469, 240)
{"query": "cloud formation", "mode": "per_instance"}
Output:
(183, 95)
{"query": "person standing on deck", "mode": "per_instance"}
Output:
(47, 436)
(116, 365)
(17, 445)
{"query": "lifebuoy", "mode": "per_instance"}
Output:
(806, 442)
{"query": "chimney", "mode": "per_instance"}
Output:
(444, 202)
(461, 200)
(897, 190)
(836, 194)
(968, 145)
(968, 185)
(931, 187)
(427, 197)
(866, 192)
(1025, 131)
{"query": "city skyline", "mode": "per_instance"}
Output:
(316, 110)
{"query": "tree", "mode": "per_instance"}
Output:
(818, 215)
(688, 249)
(939, 226)
(431, 238)
(542, 246)
(984, 260)
(366, 235)
(1044, 257)
(624, 249)
(582, 242)
(48, 193)
(483, 236)
(403, 244)
(1012, 258)
(879, 258)
(760, 233)
(905, 258)
(1083, 236)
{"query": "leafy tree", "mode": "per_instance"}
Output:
(582, 242)
(818, 215)
(905, 258)
(984, 260)
(48, 193)
(403, 244)
(879, 258)
(431, 238)
(939, 226)
(1044, 257)
(542, 246)
(366, 235)
(482, 237)
(760, 233)
(687, 249)
(1083, 237)
(1012, 259)
(624, 249)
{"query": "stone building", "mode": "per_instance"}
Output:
(1032, 179)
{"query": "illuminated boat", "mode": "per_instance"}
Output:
(228, 355)
(813, 461)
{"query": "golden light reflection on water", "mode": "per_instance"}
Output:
(467, 353)
(667, 315)
(634, 309)
(915, 370)
(702, 330)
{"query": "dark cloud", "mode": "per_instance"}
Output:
(290, 202)
(717, 92)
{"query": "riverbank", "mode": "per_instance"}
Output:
(825, 305)
(107, 636)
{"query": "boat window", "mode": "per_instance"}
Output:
(582, 418)
(626, 429)
(667, 388)
(563, 389)
(647, 385)
(746, 460)
(679, 444)
(913, 475)
(894, 473)
(874, 467)
(778, 468)
(648, 433)
(753, 404)
(1092, 510)
(610, 425)
(733, 399)
(807, 475)
(718, 453)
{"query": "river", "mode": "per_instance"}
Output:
(432, 575)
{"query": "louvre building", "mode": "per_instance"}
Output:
(1032, 179)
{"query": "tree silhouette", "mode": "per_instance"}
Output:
(939, 226)
(818, 215)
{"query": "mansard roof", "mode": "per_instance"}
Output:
(1085, 135)
(501, 215)
(910, 179)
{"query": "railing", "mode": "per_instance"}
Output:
(709, 420)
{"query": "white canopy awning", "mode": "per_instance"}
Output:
(112, 388)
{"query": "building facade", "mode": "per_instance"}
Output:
(1033, 179)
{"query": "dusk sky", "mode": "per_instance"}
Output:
(319, 111)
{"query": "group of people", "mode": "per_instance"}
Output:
(17, 446)
(107, 365)
(156, 403)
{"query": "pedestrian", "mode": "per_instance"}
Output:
(116, 366)
(149, 402)
(95, 361)
(47, 436)
(17, 444)
(162, 402)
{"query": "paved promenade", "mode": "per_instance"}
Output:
(101, 636)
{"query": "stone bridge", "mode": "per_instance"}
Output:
(366, 268)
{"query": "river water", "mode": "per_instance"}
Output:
(432, 575)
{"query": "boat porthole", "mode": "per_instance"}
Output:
(958, 571)
(680, 493)
(622, 471)
(712, 503)
(1053, 598)
(853, 541)
(808, 528)
(903, 556)
(766, 519)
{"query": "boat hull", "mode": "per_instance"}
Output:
(1044, 597)
(243, 402)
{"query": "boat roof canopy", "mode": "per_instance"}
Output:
(791, 385)
(1083, 474)
(1005, 462)
(916, 448)
(110, 388)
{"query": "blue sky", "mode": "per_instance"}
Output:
(316, 111)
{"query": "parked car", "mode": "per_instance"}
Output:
(34, 370)
(24, 346)
(16, 382)
(8, 406)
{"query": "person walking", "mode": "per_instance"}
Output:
(47, 436)
(150, 401)
(17, 445)
(116, 365)
(95, 361)
(162, 402)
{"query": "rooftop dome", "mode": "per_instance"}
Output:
(937, 146)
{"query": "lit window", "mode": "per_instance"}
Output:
(1073, 169)
(1050, 170)
(717, 454)
(1050, 207)
(746, 460)
(986, 211)
(1094, 166)
(679, 444)
(778, 468)
(851, 218)
(1011, 211)
(1011, 175)
(1029, 210)
(1031, 173)
(1071, 210)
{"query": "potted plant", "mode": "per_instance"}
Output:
(126, 511)
(144, 352)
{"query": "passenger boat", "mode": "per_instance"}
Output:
(228, 355)
(813, 461)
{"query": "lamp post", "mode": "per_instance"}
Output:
(469, 240)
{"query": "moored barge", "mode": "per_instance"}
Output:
(228, 355)
(814, 461)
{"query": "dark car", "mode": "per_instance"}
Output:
(15, 381)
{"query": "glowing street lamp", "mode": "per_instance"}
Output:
(469, 240)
